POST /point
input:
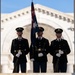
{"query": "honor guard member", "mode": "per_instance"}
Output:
(19, 49)
(59, 49)
(40, 53)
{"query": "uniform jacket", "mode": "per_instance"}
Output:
(43, 46)
(59, 45)
(20, 45)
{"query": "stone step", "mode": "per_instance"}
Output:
(37, 74)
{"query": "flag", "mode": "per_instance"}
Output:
(34, 25)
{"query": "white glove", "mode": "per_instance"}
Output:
(19, 52)
(58, 55)
(40, 54)
(32, 59)
(17, 55)
(61, 52)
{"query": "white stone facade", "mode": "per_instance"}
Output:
(46, 17)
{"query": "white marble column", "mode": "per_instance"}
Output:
(70, 68)
(28, 63)
(5, 63)
(28, 66)
(4, 68)
(70, 64)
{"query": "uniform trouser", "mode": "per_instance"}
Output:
(21, 66)
(62, 67)
(39, 65)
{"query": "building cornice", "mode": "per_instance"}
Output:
(41, 9)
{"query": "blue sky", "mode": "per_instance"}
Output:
(8, 6)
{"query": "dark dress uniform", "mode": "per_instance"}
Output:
(20, 44)
(59, 63)
(40, 62)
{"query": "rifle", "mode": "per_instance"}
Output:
(15, 66)
(57, 63)
(56, 66)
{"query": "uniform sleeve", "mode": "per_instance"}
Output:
(27, 47)
(52, 50)
(12, 48)
(26, 50)
(67, 48)
(47, 47)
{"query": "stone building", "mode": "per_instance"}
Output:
(49, 19)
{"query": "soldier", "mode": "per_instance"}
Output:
(19, 49)
(59, 49)
(40, 53)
